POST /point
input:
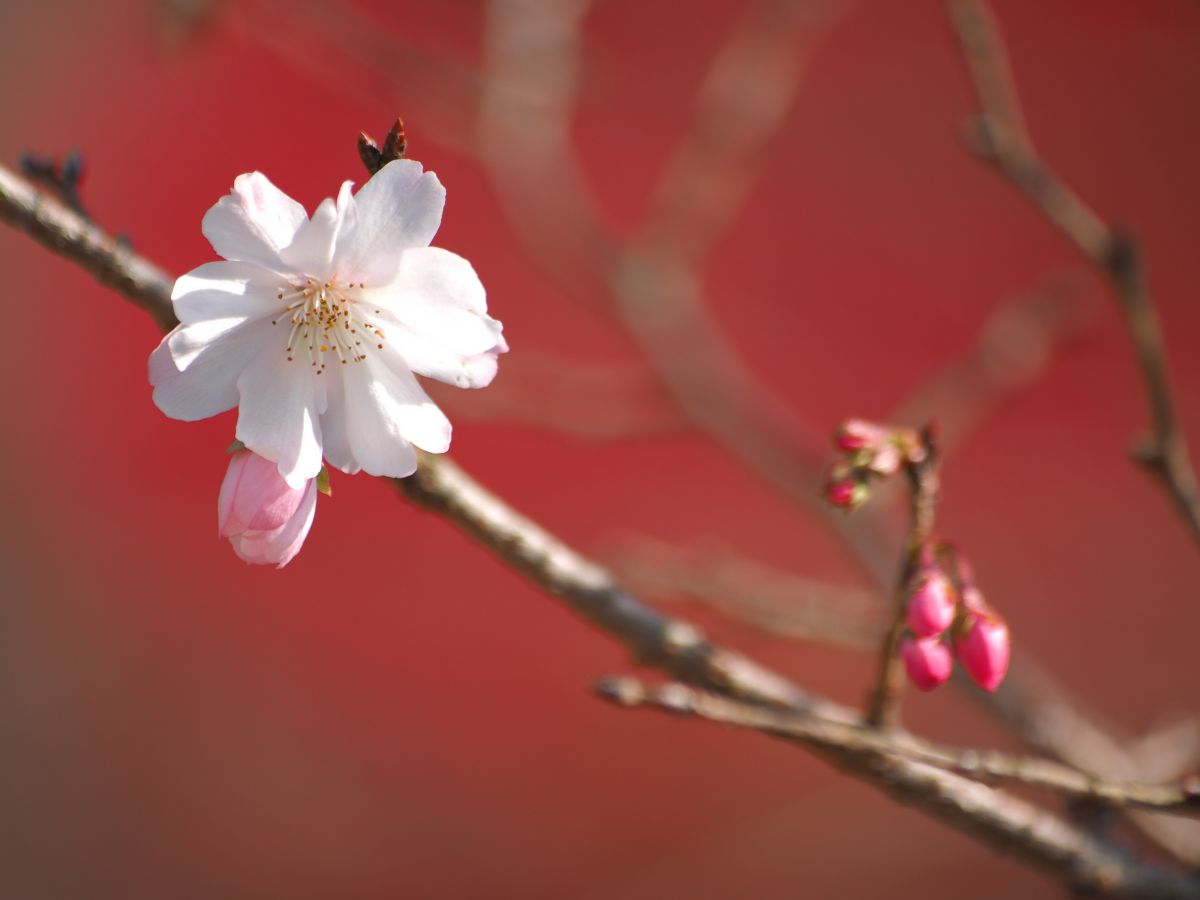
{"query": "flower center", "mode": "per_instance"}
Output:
(325, 318)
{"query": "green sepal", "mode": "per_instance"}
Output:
(323, 482)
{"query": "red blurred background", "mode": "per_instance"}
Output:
(397, 715)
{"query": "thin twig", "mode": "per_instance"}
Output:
(921, 470)
(1055, 723)
(1083, 861)
(1002, 139)
(987, 766)
(61, 177)
(1055, 845)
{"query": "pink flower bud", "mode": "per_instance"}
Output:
(983, 648)
(855, 434)
(927, 662)
(846, 493)
(265, 520)
(931, 606)
(886, 460)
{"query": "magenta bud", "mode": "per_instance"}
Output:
(931, 606)
(927, 662)
(847, 493)
(855, 434)
(983, 649)
(265, 519)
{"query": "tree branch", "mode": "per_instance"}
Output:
(1059, 847)
(988, 766)
(1082, 861)
(1001, 138)
(68, 234)
(523, 125)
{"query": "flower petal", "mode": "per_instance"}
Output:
(224, 290)
(311, 252)
(253, 222)
(229, 488)
(187, 342)
(279, 413)
(335, 439)
(282, 544)
(438, 296)
(208, 384)
(386, 410)
(439, 277)
(259, 499)
(398, 208)
(419, 419)
(427, 358)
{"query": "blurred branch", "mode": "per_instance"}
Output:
(775, 602)
(529, 154)
(744, 99)
(595, 401)
(532, 69)
(524, 131)
(348, 48)
(1060, 848)
(532, 64)
(1169, 751)
(1001, 138)
(742, 102)
(1015, 346)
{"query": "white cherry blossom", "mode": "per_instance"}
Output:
(314, 328)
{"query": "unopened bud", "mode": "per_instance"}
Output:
(847, 493)
(927, 662)
(931, 606)
(886, 459)
(73, 168)
(265, 519)
(855, 434)
(983, 648)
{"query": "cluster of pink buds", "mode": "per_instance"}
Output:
(940, 606)
(868, 451)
